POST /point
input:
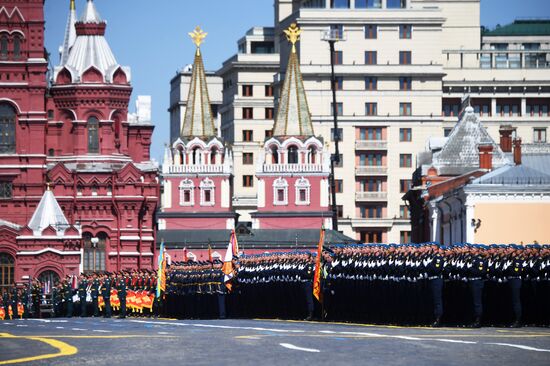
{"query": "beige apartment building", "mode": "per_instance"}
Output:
(402, 67)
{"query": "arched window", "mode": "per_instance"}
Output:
(7, 271)
(7, 129)
(4, 47)
(207, 192)
(293, 155)
(197, 156)
(94, 252)
(312, 155)
(274, 155)
(16, 47)
(213, 155)
(280, 192)
(187, 196)
(303, 191)
(181, 155)
(93, 135)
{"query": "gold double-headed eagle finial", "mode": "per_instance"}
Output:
(293, 35)
(198, 36)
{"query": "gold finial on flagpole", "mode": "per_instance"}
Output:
(293, 35)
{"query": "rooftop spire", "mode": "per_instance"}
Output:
(70, 35)
(293, 118)
(48, 213)
(198, 121)
(90, 14)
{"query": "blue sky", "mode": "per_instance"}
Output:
(151, 37)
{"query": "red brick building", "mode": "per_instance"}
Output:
(77, 135)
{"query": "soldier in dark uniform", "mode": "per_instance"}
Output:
(56, 299)
(122, 295)
(36, 295)
(514, 274)
(476, 270)
(94, 292)
(106, 294)
(82, 284)
(68, 297)
(308, 286)
(14, 302)
(434, 267)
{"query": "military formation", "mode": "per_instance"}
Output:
(126, 293)
(465, 285)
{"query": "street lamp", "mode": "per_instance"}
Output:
(332, 36)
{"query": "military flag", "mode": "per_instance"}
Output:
(161, 275)
(185, 254)
(210, 259)
(317, 274)
(227, 267)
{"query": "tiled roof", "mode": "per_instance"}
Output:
(48, 213)
(534, 27)
(460, 153)
(534, 170)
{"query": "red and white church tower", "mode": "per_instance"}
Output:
(77, 137)
(197, 172)
(293, 186)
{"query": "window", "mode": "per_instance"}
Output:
(447, 131)
(338, 58)
(337, 31)
(6, 190)
(312, 155)
(268, 134)
(539, 135)
(370, 58)
(16, 47)
(339, 4)
(247, 90)
(371, 212)
(368, 4)
(93, 135)
(370, 133)
(371, 236)
(405, 31)
(405, 57)
(371, 83)
(338, 135)
(94, 252)
(248, 181)
(371, 31)
(450, 110)
(405, 160)
(4, 47)
(7, 272)
(339, 107)
(207, 192)
(339, 211)
(396, 4)
(293, 155)
(248, 135)
(50, 114)
(338, 83)
(7, 129)
(269, 113)
(187, 196)
(269, 90)
(405, 237)
(248, 113)
(404, 185)
(371, 109)
(280, 192)
(371, 185)
(371, 159)
(405, 83)
(405, 134)
(404, 212)
(339, 185)
(248, 158)
(303, 189)
(405, 109)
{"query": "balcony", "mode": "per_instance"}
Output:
(371, 196)
(294, 168)
(371, 170)
(371, 145)
(192, 169)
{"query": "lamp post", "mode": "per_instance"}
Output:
(333, 36)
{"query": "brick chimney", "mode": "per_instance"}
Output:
(485, 156)
(506, 138)
(517, 151)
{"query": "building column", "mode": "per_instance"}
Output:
(469, 227)
(493, 107)
(523, 107)
(435, 226)
(384, 4)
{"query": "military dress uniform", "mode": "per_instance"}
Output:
(95, 295)
(122, 296)
(106, 294)
(82, 296)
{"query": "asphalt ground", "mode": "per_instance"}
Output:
(144, 341)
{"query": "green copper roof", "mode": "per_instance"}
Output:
(535, 27)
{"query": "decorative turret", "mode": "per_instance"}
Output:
(48, 213)
(293, 117)
(198, 121)
(70, 35)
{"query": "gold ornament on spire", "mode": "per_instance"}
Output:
(293, 35)
(198, 36)
(73, 6)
